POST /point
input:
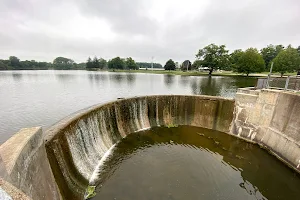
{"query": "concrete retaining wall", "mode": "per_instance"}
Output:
(76, 144)
(271, 119)
(26, 165)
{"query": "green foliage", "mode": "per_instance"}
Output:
(214, 57)
(63, 63)
(234, 59)
(130, 64)
(102, 63)
(186, 65)
(288, 60)
(3, 65)
(170, 65)
(269, 53)
(116, 63)
(90, 192)
(250, 61)
(14, 62)
(196, 64)
(148, 65)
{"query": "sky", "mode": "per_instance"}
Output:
(163, 29)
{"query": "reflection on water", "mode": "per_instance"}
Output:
(193, 163)
(41, 98)
(169, 80)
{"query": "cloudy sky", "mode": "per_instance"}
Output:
(45, 29)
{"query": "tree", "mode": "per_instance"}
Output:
(170, 65)
(89, 63)
(234, 59)
(3, 66)
(287, 60)
(14, 62)
(116, 63)
(102, 63)
(269, 53)
(130, 63)
(63, 63)
(196, 64)
(95, 62)
(186, 65)
(250, 61)
(213, 57)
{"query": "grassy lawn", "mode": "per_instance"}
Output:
(189, 73)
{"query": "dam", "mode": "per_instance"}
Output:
(63, 162)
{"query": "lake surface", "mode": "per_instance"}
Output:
(193, 163)
(41, 98)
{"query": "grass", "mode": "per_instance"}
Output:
(189, 73)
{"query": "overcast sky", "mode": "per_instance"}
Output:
(45, 29)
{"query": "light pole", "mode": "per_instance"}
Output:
(152, 62)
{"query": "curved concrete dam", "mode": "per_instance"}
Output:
(62, 162)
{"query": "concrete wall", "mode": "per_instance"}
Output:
(26, 165)
(76, 144)
(271, 119)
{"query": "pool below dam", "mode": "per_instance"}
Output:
(162, 147)
(188, 162)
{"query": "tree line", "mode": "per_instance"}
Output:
(62, 63)
(59, 63)
(214, 57)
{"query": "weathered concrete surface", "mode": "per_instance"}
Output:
(271, 119)
(76, 144)
(9, 192)
(26, 164)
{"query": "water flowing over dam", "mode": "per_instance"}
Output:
(65, 159)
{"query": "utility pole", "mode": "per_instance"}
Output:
(152, 63)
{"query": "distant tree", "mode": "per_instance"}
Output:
(95, 63)
(170, 65)
(3, 66)
(102, 63)
(250, 61)
(234, 59)
(130, 63)
(269, 53)
(298, 49)
(213, 57)
(63, 63)
(89, 63)
(14, 62)
(196, 64)
(116, 63)
(186, 65)
(288, 60)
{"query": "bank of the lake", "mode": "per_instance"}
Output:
(198, 73)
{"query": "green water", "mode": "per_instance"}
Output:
(193, 163)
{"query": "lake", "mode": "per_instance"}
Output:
(41, 98)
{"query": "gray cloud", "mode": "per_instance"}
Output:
(77, 29)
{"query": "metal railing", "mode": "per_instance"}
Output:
(286, 83)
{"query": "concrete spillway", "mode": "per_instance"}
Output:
(76, 145)
(65, 161)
